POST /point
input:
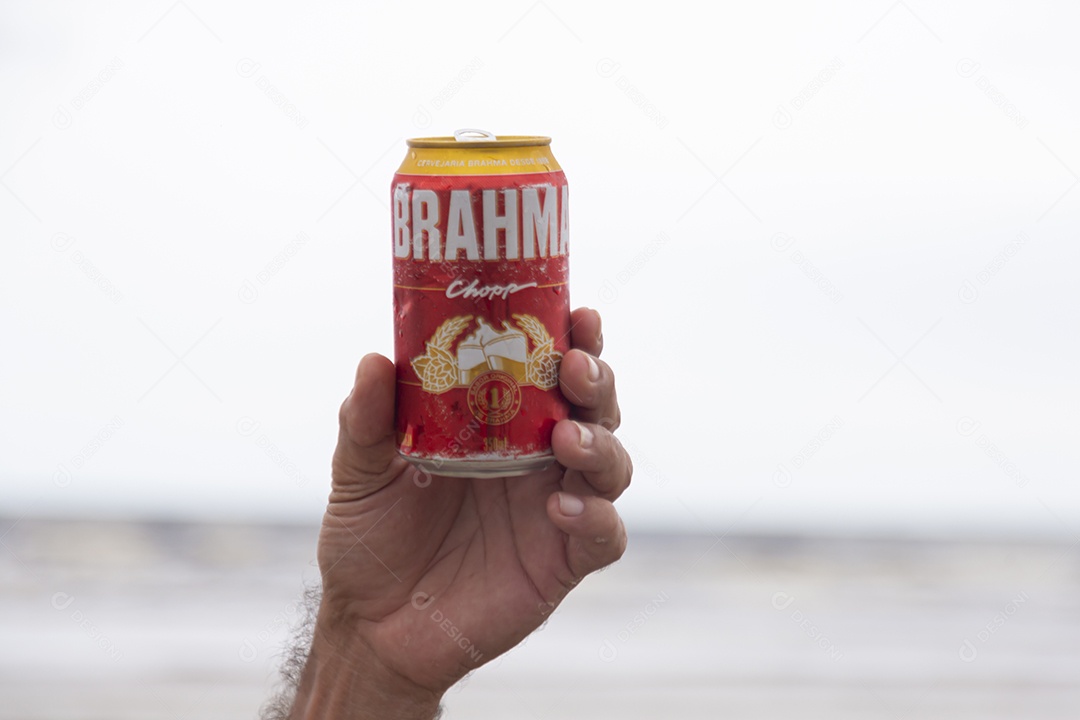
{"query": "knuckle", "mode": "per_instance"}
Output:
(608, 422)
(343, 413)
(579, 394)
(607, 375)
(624, 539)
(613, 528)
(614, 453)
(611, 547)
(592, 396)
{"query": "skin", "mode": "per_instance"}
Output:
(426, 578)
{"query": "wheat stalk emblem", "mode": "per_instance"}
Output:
(542, 364)
(437, 368)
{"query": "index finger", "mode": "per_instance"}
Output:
(586, 331)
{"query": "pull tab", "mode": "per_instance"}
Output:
(473, 135)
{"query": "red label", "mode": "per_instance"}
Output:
(482, 314)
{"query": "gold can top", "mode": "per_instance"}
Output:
(478, 152)
(469, 137)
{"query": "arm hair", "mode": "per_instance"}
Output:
(294, 658)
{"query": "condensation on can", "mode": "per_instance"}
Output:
(481, 303)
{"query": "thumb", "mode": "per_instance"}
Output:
(364, 460)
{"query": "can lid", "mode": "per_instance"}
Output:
(472, 137)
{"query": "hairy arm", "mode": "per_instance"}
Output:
(326, 676)
(409, 569)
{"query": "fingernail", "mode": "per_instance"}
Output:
(585, 436)
(570, 505)
(594, 369)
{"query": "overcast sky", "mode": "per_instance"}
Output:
(834, 246)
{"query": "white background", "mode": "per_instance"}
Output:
(834, 246)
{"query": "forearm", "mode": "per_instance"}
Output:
(343, 680)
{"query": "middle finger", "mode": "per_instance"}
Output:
(589, 384)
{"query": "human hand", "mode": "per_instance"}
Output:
(426, 578)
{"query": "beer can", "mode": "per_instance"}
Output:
(481, 303)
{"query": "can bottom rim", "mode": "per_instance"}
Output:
(481, 468)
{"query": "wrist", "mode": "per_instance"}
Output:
(344, 678)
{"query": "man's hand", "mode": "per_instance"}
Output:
(426, 578)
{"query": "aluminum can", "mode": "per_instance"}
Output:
(481, 303)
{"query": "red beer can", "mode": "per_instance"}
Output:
(481, 303)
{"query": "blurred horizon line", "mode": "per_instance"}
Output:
(975, 533)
